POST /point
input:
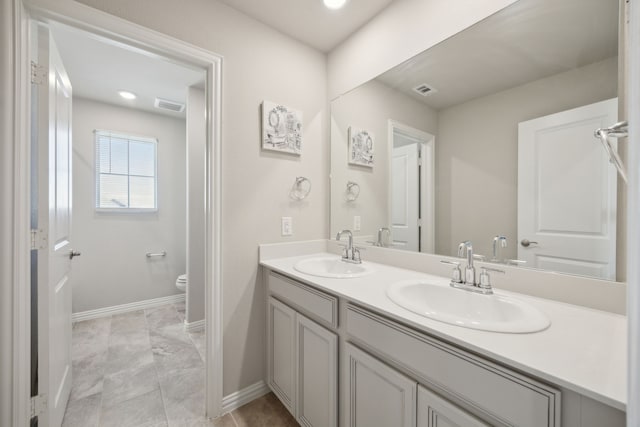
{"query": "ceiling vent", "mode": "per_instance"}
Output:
(165, 104)
(425, 90)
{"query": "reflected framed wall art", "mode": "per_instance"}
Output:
(361, 144)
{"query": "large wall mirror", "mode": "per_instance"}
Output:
(488, 137)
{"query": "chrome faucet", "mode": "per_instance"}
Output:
(469, 271)
(501, 242)
(483, 285)
(498, 241)
(350, 253)
(380, 231)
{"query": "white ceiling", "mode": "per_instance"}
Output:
(98, 70)
(309, 20)
(527, 41)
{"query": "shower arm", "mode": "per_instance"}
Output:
(619, 130)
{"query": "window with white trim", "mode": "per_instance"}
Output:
(126, 172)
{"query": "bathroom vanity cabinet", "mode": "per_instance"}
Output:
(332, 361)
(302, 355)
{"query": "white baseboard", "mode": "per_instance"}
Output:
(198, 325)
(124, 308)
(244, 396)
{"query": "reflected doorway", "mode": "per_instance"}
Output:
(411, 194)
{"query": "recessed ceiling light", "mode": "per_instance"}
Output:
(127, 95)
(334, 4)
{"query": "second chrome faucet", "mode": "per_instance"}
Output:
(481, 284)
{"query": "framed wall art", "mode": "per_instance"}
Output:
(281, 128)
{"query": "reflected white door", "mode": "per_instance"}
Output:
(567, 192)
(405, 197)
(54, 219)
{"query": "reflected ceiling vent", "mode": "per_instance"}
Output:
(165, 104)
(424, 89)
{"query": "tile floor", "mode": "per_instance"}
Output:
(142, 369)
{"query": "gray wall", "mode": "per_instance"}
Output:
(477, 153)
(196, 144)
(259, 63)
(369, 107)
(113, 268)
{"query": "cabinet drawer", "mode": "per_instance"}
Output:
(308, 300)
(502, 395)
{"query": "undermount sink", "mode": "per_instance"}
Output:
(495, 313)
(332, 267)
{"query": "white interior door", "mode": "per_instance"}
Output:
(54, 219)
(567, 192)
(405, 197)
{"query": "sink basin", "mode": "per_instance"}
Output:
(496, 313)
(332, 267)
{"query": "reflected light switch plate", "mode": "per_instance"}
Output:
(287, 226)
(356, 223)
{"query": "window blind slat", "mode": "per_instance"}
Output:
(119, 156)
(141, 192)
(114, 191)
(142, 159)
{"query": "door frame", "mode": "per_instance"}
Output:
(119, 31)
(427, 181)
(633, 206)
(19, 305)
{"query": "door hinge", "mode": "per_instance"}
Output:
(419, 222)
(38, 74)
(38, 405)
(38, 239)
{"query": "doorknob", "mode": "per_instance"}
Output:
(73, 253)
(527, 242)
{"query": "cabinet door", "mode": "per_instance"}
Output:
(317, 397)
(281, 353)
(434, 411)
(377, 395)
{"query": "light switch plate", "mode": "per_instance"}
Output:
(287, 226)
(356, 223)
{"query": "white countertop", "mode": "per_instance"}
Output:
(584, 350)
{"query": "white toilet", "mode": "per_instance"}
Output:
(181, 282)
